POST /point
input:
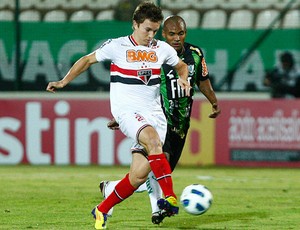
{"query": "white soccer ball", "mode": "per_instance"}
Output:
(196, 199)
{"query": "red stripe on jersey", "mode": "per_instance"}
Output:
(116, 68)
(133, 41)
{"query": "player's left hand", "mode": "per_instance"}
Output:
(113, 125)
(215, 111)
(184, 84)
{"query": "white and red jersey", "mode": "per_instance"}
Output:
(135, 73)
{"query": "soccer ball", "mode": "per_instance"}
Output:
(196, 199)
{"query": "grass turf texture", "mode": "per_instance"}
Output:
(52, 197)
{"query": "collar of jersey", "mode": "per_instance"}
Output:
(131, 39)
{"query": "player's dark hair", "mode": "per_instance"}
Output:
(147, 10)
(174, 19)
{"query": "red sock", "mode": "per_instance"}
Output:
(122, 190)
(162, 171)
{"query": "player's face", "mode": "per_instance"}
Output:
(286, 65)
(174, 34)
(144, 32)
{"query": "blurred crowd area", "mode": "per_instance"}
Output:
(230, 14)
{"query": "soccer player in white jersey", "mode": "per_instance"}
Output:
(135, 103)
(177, 108)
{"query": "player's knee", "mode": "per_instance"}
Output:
(150, 139)
(154, 145)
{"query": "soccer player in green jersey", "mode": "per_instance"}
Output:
(176, 104)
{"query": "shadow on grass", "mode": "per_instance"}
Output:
(233, 216)
(199, 222)
(219, 218)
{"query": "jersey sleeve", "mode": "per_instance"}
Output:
(104, 52)
(172, 58)
(201, 66)
(204, 70)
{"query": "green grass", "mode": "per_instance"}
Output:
(52, 197)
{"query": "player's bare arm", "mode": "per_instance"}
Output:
(207, 90)
(80, 66)
(182, 70)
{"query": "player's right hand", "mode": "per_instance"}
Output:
(215, 111)
(184, 84)
(52, 86)
(113, 125)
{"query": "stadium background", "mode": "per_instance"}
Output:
(41, 39)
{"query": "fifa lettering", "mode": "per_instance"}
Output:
(177, 91)
(141, 56)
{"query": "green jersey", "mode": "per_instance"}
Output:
(177, 105)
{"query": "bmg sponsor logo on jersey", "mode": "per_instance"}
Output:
(141, 56)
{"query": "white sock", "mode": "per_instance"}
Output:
(108, 189)
(142, 188)
(154, 191)
(151, 185)
(110, 186)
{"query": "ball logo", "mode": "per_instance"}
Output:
(141, 56)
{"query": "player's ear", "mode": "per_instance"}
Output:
(134, 25)
(163, 34)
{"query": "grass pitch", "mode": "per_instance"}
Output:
(53, 197)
